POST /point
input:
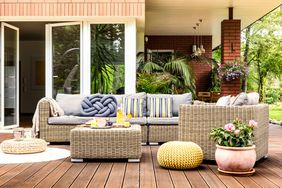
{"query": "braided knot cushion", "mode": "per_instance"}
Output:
(99, 106)
(180, 155)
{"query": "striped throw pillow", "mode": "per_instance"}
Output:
(160, 107)
(133, 106)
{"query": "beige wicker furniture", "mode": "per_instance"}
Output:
(196, 122)
(24, 146)
(61, 133)
(106, 143)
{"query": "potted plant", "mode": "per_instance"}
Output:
(235, 152)
(232, 70)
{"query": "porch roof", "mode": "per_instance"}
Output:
(177, 17)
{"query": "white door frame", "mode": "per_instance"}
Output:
(2, 126)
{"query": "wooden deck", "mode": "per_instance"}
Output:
(147, 174)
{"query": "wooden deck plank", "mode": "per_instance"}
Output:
(12, 173)
(101, 176)
(163, 178)
(229, 181)
(24, 175)
(117, 175)
(179, 179)
(55, 175)
(131, 177)
(195, 178)
(262, 181)
(274, 178)
(247, 182)
(147, 174)
(85, 176)
(41, 174)
(211, 179)
(67, 179)
(6, 168)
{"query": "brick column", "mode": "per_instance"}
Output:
(230, 51)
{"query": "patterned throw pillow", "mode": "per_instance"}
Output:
(160, 107)
(133, 106)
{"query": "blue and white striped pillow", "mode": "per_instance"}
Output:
(160, 107)
(134, 106)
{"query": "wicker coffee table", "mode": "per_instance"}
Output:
(24, 146)
(88, 143)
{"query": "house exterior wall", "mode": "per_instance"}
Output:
(134, 8)
(183, 44)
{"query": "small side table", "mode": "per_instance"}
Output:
(24, 146)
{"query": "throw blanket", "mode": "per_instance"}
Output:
(55, 110)
(99, 106)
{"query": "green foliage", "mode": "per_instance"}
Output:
(105, 56)
(264, 50)
(275, 111)
(173, 76)
(236, 134)
(272, 95)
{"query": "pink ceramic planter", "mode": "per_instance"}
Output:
(235, 159)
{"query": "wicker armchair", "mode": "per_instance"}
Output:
(196, 122)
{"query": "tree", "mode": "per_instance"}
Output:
(262, 49)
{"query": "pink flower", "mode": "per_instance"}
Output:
(253, 123)
(237, 131)
(229, 127)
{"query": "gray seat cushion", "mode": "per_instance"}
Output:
(138, 120)
(68, 120)
(177, 99)
(162, 121)
(70, 103)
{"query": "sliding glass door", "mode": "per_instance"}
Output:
(63, 69)
(9, 92)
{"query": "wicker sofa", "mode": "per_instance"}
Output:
(196, 121)
(57, 129)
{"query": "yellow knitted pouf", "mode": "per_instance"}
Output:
(180, 155)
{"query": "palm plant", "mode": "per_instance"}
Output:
(104, 54)
(174, 76)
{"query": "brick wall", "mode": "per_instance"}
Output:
(230, 51)
(72, 8)
(184, 44)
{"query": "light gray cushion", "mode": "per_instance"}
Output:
(223, 101)
(241, 99)
(253, 98)
(138, 120)
(68, 120)
(70, 103)
(177, 99)
(163, 121)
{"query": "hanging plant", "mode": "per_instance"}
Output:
(232, 70)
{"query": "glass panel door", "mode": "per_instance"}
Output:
(107, 58)
(65, 40)
(9, 76)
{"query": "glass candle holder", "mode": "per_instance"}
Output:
(28, 133)
(18, 133)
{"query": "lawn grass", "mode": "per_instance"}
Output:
(275, 111)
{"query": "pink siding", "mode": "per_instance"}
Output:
(135, 8)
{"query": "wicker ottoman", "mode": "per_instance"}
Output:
(106, 143)
(180, 155)
(24, 146)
